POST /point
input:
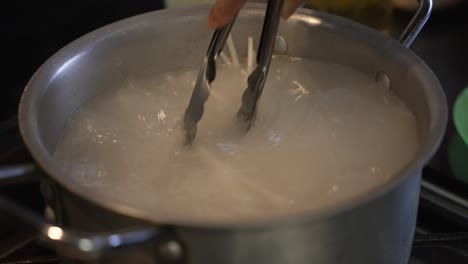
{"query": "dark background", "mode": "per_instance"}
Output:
(32, 31)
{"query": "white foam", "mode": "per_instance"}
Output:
(340, 138)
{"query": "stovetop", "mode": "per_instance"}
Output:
(442, 228)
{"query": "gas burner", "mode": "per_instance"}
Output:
(440, 248)
(19, 246)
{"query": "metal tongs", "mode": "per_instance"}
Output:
(255, 81)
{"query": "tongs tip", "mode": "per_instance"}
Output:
(190, 129)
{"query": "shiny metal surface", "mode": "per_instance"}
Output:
(382, 220)
(75, 244)
(417, 23)
(256, 80)
(206, 76)
(16, 174)
(81, 245)
(126, 49)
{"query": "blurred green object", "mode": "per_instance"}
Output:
(458, 146)
(458, 158)
(460, 115)
(373, 13)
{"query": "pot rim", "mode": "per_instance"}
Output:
(36, 87)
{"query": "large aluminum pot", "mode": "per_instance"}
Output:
(376, 227)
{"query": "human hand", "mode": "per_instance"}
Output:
(223, 11)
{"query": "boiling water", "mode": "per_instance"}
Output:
(324, 133)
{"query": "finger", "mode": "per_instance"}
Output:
(223, 11)
(290, 7)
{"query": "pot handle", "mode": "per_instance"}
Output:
(79, 245)
(18, 174)
(417, 23)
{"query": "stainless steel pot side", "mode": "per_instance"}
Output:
(376, 227)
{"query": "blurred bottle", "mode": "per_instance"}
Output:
(373, 13)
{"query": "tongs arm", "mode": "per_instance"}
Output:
(257, 78)
(206, 76)
(216, 46)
